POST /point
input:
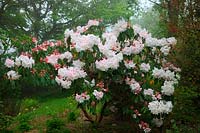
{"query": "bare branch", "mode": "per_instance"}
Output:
(156, 3)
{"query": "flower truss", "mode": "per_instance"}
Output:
(91, 59)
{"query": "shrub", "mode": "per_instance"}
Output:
(5, 121)
(24, 123)
(72, 116)
(56, 125)
(28, 104)
(126, 66)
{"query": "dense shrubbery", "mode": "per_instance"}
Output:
(188, 56)
(56, 125)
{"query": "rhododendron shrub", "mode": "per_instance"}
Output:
(123, 67)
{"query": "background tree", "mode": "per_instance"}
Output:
(49, 19)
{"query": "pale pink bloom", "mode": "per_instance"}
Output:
(129, 64)
(63, 82)
(34, 40)
(25, 61)
(71, 73)
(78, 63)
(145, 67)
(82, 97)
(9, 63)
(92, 23)
(13, 75)
(52, 59)
(98, 94)
(67, 55)
(148, 92)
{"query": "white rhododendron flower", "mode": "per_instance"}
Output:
(168, 88)
(9, 63)
(172, 40)
(71, 73)
(165, 50)
(78, 64)
(134, 48)
(25, 61)
(92, 23)
(148, 92)
(145, 67)
(159, 107)
(134, 85)
(63, 82)
(120, 26)
(85, 42)
(129, 64)
(52, 59)
(161, 73)
(82, 97)
(68, 33)
(67, 55)
(13, 75)
(112, 62)
(98, 94)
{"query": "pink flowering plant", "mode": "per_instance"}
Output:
(120, 66)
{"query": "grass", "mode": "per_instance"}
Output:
(55, 104)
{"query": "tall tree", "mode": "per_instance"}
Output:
(49, 19)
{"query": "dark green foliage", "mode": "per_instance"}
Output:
(24, 123)
(56, 125)
(24, 126)
(186, 105)
(71, 116)
(5, 121)
(188, 57)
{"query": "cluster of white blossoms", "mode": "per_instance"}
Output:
(9, 63)
(84, 42)
(165, 74)
(13, 75)
(112, 62)
(53, 58)
(133, 48)
(154, 42)
(78, 64)
(22, 60)
(168, 88)
(129, 64)
(111, 46)
(82, 97)
(67, 75)
(150, 92)
(98, 94)
(145, 67)
(134, 85)
(160, 107)
(63, 82)
(120, 26)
